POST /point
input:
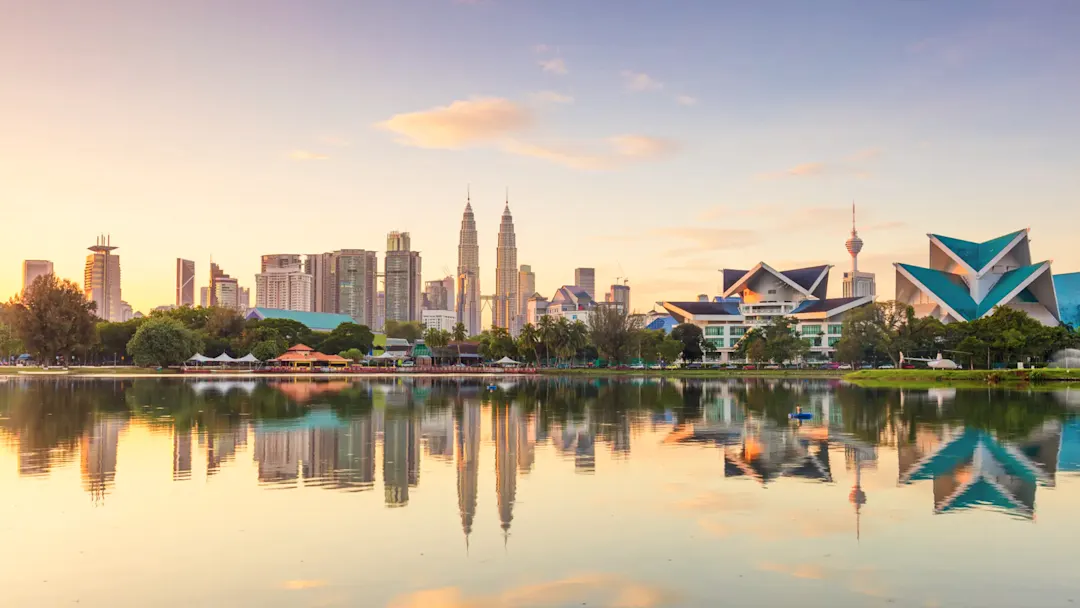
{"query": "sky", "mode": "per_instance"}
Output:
(655, 141)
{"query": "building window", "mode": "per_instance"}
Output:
(816, 342)
(835, 329)
(738, 331)
(810, 330)
(833, 340)
(733, 342)
(772, 292)
(714, 330)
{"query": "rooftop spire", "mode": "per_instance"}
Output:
(852, 217)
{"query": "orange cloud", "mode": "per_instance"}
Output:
(460, 124)
(299, 585)
(587, 589)
(611, 154)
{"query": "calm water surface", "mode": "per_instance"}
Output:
(439, 493)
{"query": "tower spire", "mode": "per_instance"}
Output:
(853, 217)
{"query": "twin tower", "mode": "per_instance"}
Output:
(506, 303)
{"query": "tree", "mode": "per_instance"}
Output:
(224, 323)
(53, 319)
(497, 343)
(670, 349)
(113, 338)
(10, 345)
(293, 332)
(436, 338)
(647, 342)
(613, 332)
(409, 330)
(269, 349)
(529, 341)
(460, 333)
(782, 344)
(752, 346)
(692, 338)
(352, 354)
(550, 333)
(161, 342)
(349, 335)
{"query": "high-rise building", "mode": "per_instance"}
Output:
(439, 319)
(468, 273)
(226, 293)
(204, 296)
(324, 287)
(243, 299)
(526, 289)
(356, 272)
(380, 311)
(507, 301)
(439, 295)
(619, 296)
(127, 313)
(33, 269)
(101, 279)
(857, 284)
(284, 287)
(185, 282)
(585, 278)
(216, 273)
(280, 260)
(403, 282)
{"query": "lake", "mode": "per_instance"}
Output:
(445, 493)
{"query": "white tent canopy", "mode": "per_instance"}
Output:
(199, 358)
(223, 358)
(248, 358)
(386, 356)
(507, 361)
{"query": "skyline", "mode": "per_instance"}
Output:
(717, 135)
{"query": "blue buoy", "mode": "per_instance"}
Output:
(492, 387)
(801, 416)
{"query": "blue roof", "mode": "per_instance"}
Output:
(1008, 282)
(1068, 295)
(950, 288)
(1069, 453)
(708, 308)
(822, 305)
(977, 255)
(315, 321)
(805, 277)
(664, 323)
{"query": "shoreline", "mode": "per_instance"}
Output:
(864, 378)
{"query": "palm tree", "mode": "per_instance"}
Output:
(577, 338)
(460, 333)
(529, 339)
(548, 334)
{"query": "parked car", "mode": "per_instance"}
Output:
(887, 366)
(866, 366)
(907, 366)
(773, 366)
(844, 366)
(749, 367)
(830, 366)
(694, 366)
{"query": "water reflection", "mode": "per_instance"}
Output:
(970, 449)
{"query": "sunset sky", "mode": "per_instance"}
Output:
(659, 141)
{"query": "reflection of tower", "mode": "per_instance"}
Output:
(221, 447)
(505, 434)
(98, 451)
(468, 272)
(468, 464)
(181, 455)
(857, 496)
(526, 435)
(396, 467)
(356, 455)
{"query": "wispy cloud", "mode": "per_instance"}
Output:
(555, 65)
(640, 81)
(686, 100)
(552, 97)
(609, 154)
(307, 155)
(853, 165)
(460, 124)
(581, 589)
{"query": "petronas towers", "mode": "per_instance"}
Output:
(506, 302)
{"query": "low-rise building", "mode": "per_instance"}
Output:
(570, 302)
(444, 320)
(752, 299)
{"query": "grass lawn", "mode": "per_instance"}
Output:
(697, 373)
(961, 376)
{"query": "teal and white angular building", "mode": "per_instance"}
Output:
(967, 280)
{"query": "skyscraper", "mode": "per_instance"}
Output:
(857, 284)
(324, 287)
(526, 289)
(356, 273)
(283, 284)
(506, 274)
(468, 273)
(380, 311)
(101, 279)
(619, 296)
(33, 269)
(439, 295)
(185, 282)
(403, 282)
(225, 291)
(585, 278)
(204, 296)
